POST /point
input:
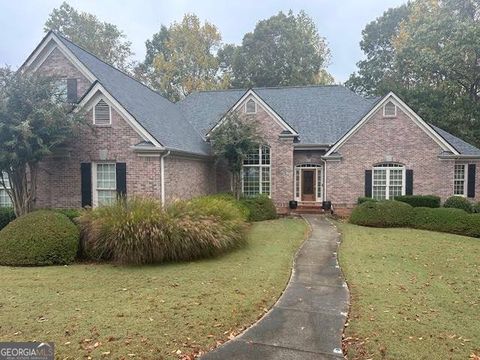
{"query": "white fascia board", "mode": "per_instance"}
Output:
(268, 109)
(411, 114)
(88, 102)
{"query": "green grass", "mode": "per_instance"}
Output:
(415, 294)
(150, 311)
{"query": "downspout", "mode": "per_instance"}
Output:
(162, 174)
(324, 179)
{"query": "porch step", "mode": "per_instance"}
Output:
(308, 209)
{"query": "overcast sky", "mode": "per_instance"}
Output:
(339, 21)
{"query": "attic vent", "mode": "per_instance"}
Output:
(101, 113)
(250, 107)
(390, 109)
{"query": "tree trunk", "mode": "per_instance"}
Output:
(23, 183)
(237, 189)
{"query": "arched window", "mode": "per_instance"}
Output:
(256, 172)
(388, 181)
(250, 107)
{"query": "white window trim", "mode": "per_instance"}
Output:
(387, 178)
(94, 180)
(109, 112)
(250, 112)
(260, 165)
(465, 180)
(318, 172)
(384, 106)
(6, 188)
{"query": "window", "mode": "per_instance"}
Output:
(459, 179)
(61, 89)
(390, 109)
(256, 172)
(251, 107)
(105, 181)
(388, 181)
(5, 200)
(101, 113)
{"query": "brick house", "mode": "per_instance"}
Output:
(321, 143)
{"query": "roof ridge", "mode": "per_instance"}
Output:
(110, 65)
(272, 88)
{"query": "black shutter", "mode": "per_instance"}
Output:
(72, 90)
(368, 183)
(86, 182)
(409, 182)
(121, 179)
(472, 172)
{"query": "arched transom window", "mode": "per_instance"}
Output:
(256, 177)
(388, 181)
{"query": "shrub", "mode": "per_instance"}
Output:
(139, 231)
(476, 208)
(430, 201)
(450, 220)
(6, 216)
(387, 213)
(72, 214)
(363, 199)
(260, 208)
(458, 202)
(39, 238)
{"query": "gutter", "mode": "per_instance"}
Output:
(162, 172)
(459, 157)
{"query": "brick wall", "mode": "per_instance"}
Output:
(399, 139)
(308, 157)
(281, 157)
(59, 179)
(57, 65)
(188, 177)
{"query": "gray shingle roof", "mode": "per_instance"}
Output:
(461, 146)
(320, 114)
(160, 117)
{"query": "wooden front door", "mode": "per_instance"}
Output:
(308, 185)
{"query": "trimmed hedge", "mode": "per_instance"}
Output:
(6, 216)
(363, 199)
(72, 214)
(430, 201)
(138, 231)
(388, 213)
(476, 208)
(39, 238)
(458, 202)
(260, 208)
(449, 220)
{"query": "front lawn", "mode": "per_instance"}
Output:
(415, 294)
(164, 311)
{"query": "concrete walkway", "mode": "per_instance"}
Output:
(307, 321)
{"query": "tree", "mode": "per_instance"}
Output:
(34, 122)
(232, 141)
(376, 74)
(102, 39)
(428, 53)
(282, 50)
(181, 58)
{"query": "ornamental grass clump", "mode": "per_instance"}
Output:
(138, 231)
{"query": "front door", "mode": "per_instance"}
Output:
(308, 185)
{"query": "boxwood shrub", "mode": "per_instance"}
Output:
(430, 201)
(6, 216)
(450, 220)
(363, 199)
(39, 238)
(260, 208)
(458, 202)
(387, 213)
